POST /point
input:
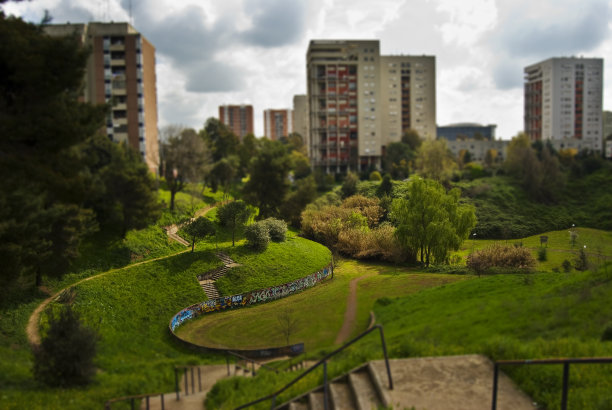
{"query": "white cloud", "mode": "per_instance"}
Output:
(213, 52)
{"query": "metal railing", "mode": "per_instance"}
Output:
(247, 360)
(187, 371)
(323, 362)
(566, 366)
(132, 399)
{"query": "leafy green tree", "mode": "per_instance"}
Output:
(186, 157)
(42, 124)
(221, 140)
(300, 165)
(397, 158)
(247, 150)
(223, 173)
(412, 139)
(268, 181)
(66, 354)
(349, 186)
(435, 161)
(122, 192)
(198, 229)
(234, 215)
(385, 188)
(305, 192)
(430, 221)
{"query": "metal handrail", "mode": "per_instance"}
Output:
(241, 357)
(107, 405)
(323, 362)
(186, 378)
(564, 361)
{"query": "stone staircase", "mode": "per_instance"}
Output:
(207, 280)
(432, 383)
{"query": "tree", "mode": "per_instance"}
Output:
(122, 191)
(247, 150)
(300, 164)
(435, 161)
(233, 215)
(397, 159)
(198, 229)
(65, 355)
(42, 174)
(412, 139)
(268, 181)
(288, 323)
(349, 186)
(220, 138)
(223, 173)
(430, 221)
(305, 192)
(385, 188)
(185, 158)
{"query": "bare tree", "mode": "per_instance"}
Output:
(288, 323)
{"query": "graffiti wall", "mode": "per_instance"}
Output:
(249, 298)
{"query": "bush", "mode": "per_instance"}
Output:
(567, 266)
(277, 229)
(542, 256)
(257, 236)
(501, 259)
(65, 356)
(375, 176)
(581, 262)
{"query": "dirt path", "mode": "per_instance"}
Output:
(351, 311)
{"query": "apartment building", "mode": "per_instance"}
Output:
(121, 72)
(239, 118)
(300, 118)
(359, 101)
(563, 101)
(278, 123)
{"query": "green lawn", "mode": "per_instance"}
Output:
(280, 263)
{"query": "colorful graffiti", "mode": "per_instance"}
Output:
(249, 298)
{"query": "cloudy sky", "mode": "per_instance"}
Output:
(213, 52)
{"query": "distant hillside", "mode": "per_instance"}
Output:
(504, 210)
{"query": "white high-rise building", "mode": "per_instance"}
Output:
(360, 101)
(563, 101)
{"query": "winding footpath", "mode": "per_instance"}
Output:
(32, 329)
(350, 315)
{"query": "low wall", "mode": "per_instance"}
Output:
(248, 299)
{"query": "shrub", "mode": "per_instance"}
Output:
(581, 262)
(501, 258)
(277, 229)
(349, 186)
(542, 256)
(257, 236)
(375, 176)
(567, 266)
(65, 356)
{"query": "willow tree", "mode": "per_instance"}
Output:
(431, 222)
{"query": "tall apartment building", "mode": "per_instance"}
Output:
(121, 72)
(563, 101)
(300, 118)
(238, 117)
(278, 123)
(360, 101)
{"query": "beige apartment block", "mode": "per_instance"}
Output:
(239, 118)
(359, 101)
(278, 123)
(564, 99)
(121, 72)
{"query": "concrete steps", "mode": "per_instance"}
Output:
(433, 383)
(210, 289)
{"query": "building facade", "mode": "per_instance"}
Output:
(239, 118)
(121, 72)
(564, 99)
(467, 131)
(300, 118)
(359, 101)
(278, 123)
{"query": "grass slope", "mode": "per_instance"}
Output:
(280, 263)
(514, 317)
